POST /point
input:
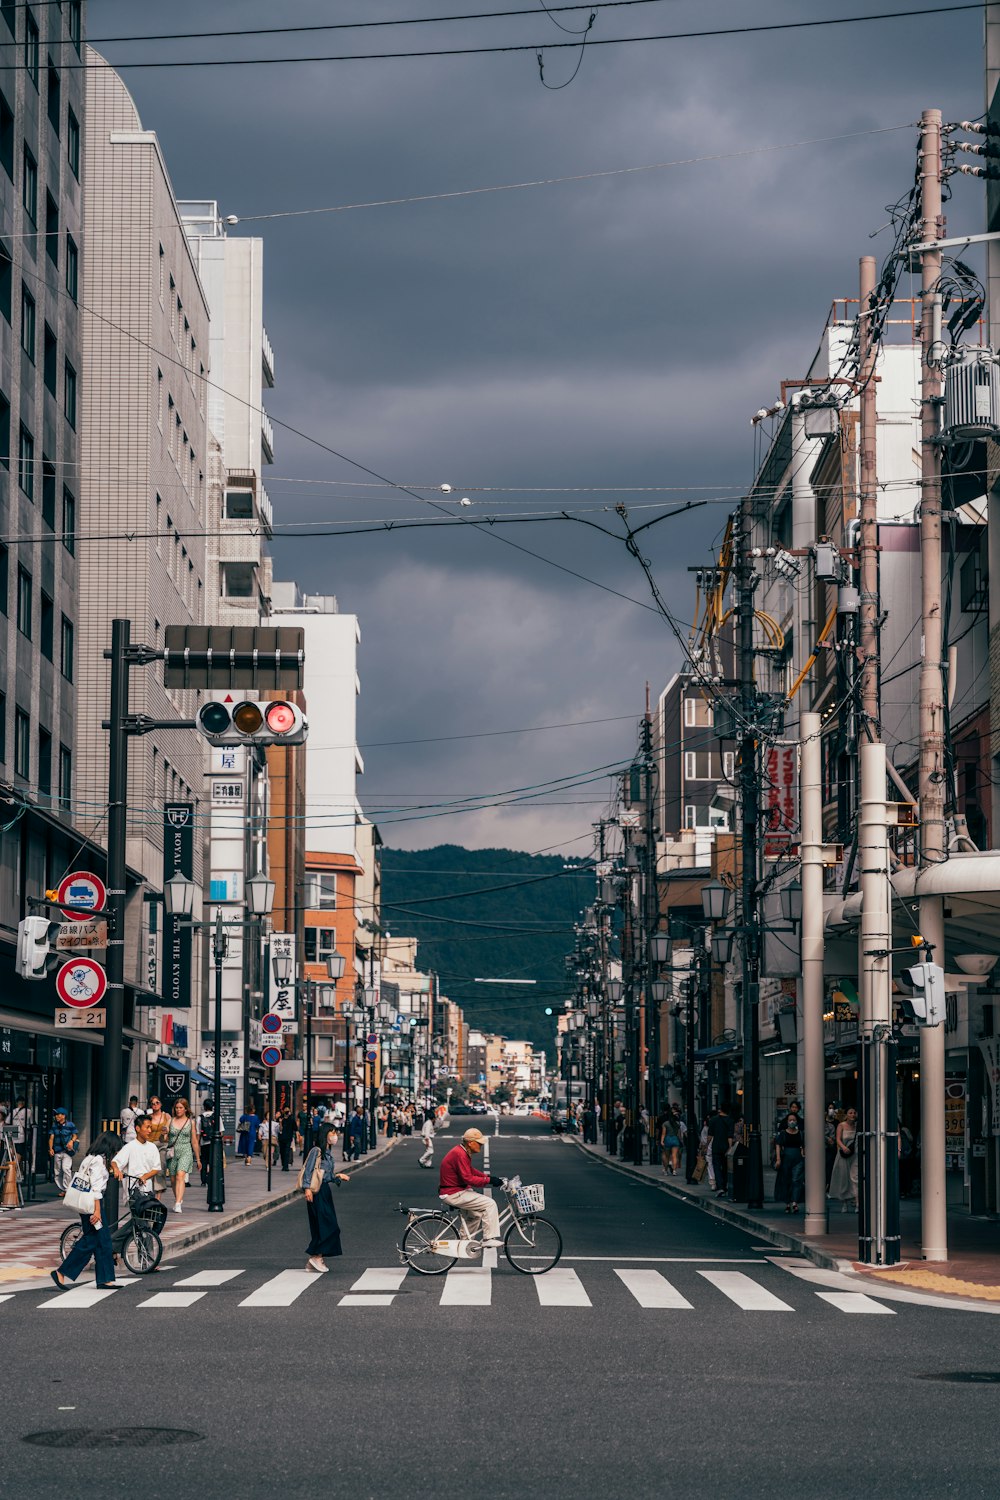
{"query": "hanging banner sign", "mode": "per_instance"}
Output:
(281, 997)
(178, 855)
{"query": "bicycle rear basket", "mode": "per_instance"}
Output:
(149, 1214)
(531, 1199)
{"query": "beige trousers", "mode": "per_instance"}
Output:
(477, 1210)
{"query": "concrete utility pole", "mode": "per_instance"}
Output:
(750, 825)
(651, 916)
(813, 1077)
(868, 508)
(932, 774)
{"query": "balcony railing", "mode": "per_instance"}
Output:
(266, 438)
(267, 358)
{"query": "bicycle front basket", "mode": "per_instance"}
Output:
(531, 1199)
(149, 1214)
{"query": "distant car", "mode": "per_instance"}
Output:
(478, 1107)
(522, 1109)
(461, 1109)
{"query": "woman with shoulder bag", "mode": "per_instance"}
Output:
(183, 1151)
(844, 1179)
(316, 1179)
(86, 1193)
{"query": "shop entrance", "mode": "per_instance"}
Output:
(24, 1098)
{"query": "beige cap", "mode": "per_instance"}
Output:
(473, 1136)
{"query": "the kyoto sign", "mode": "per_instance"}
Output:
(178, 856)
(281, 997)
(81, 983)
(81, 893)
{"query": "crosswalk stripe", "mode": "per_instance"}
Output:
(281, 1290)
(172, 1299)
(80, 1296)
(652, 1289)
(745, 1292)
(7, 1297)
(380, 1279)
(208, 1278)
(561, 1288)
(369, 1300)
(467, 1286)
(854, 1302)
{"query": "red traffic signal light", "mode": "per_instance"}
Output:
(252, 723)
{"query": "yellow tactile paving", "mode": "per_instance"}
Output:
(18, 1273)
(933, 1281)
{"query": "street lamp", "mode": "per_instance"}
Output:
(791, 901)
(260, 894)
(335, 965)
(715, 901)
(659, 948)
(283, 965)
(613, 990)
(722, 946)
(178, 896)
(659, 991)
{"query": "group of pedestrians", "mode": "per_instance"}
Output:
(177, 1139)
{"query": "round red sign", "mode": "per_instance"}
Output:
(81, 893)
(81, 983)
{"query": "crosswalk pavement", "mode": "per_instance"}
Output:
(703, 1289)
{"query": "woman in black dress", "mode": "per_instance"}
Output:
(324, 1229)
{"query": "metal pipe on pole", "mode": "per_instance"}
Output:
(877, 1163)
(813, 989)
(932, 772)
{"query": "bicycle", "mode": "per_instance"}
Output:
(137, 1235)
(434, 1239)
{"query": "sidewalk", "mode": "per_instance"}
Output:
(972, 1270)
(29, 1238)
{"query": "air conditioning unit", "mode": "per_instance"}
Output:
(972, 395)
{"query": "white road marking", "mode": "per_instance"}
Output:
(650, 1289)
(561, 1288)
(7, 1297)
(490, 1259)
(673, 1260)
(208, 1278)
(745, 1292)
(843, 1280)
(281, 1290)
(173, 1299)
(368, 1300)
(380, 1279)
(467, 1286)
(80, 1296)
(854, 1302)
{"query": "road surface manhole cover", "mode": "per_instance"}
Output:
(113, 1437)
(966, 1377)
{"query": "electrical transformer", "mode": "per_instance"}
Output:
(972, 394)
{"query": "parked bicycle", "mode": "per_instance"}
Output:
(434, 1239)
(137, 1235)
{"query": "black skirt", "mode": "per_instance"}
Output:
(323, 1226)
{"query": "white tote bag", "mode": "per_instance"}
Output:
(80, 1195)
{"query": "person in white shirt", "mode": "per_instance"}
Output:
(139, 1160)
(427, 1136)
(128, 1119)
(96, 1237)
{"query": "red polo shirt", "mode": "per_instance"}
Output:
(458, 1175)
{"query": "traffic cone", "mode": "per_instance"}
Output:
(10, 1198)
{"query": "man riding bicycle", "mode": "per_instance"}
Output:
(459, 1177)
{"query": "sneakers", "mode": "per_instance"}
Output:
(315, 1263)
(492, 1244)
(178, 1208)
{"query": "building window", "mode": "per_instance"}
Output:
(31, 47)
(238, 580)
(69, 393)
(48, 493)
(44, 761)
(321, 892)
(698, 766)
(8, 11)
(46, 627)
(27, 323)
(26, 462)
(6, 282)
(29, 185)
(65, 776)
(728, 764)
(161, 275)
(239, 505)
(697, 713)
(67, 649)
(73, 142)
(50, 353)
(22, 743)
(52, 229)
(24, 601)
(75, 23)
(4, 578)
(53, 102)
(69, 521)
(6, 138)
(72, 267)
(4, 431)
(321, 944)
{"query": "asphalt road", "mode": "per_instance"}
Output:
(401, 1393)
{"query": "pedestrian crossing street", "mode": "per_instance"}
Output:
(703, 1288)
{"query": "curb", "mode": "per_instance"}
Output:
(208, 1232)
(779, 1238)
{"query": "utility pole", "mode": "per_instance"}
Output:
(111, 1057)
(750, 819)
(932, 773)
(811, 837)
(651, 914)
(868, 549)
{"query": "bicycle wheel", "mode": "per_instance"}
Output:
(419, 1241)
(532, 1245)
(142, 1251)
(69, 1238)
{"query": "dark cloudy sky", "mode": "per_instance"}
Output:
(613, 333)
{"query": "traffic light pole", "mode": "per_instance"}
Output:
(111, 1057)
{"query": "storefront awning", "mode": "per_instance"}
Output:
(724, 1049)
(196, 1074)
(327, 1086)
(17, 1020)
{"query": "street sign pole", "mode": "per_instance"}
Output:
(111, 1056)
(216, 1160)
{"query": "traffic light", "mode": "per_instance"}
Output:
(252, 723)
(32, 947)
(926, 1004)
